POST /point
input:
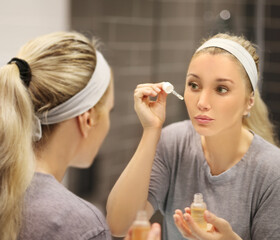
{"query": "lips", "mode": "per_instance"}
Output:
(203, 119)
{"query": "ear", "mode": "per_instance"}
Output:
(250, 104)
(86, 121)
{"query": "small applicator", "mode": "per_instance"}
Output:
(169, 88)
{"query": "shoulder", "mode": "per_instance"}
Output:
(179, 136)
(266, 159)
(178, 141)
(52, 209)
(261, 149)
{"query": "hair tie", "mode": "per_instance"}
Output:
(24, 70)
(239, 52)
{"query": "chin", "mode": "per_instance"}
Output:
(203, 130)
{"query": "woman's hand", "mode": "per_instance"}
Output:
(154, 234)
(150, 113)
(220, 229)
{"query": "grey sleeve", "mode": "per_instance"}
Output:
(266, 220)
(159, 181)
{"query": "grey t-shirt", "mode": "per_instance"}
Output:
(247, 195)
(53, 212)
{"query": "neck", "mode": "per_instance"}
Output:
(225, 150)
(57, 153)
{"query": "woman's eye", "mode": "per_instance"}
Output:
(222, 89)
(193, 85)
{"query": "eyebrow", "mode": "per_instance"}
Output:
(218, 80)
(192, 75)
(225, 80)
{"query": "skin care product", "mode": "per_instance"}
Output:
(141, 226)
(169, 88)
(197, 210)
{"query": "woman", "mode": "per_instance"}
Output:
(68, 84)
(226, 151)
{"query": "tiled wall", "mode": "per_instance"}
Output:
(144, 41)
(152, 41)
(271, 75)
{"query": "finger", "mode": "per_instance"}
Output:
(181, 224)
(210, 228)
(144, 93)
(155, 232)
(188, 210)
(162, 96)
(219, 223)
(179, 212)
(146, 90)
(155, 86)
(128, 235)
(197, 232)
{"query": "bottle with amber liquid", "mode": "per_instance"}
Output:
(141, 226)
(197, 210)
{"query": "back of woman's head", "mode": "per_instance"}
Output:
(258, 120)
(16, 155)
(62, 64)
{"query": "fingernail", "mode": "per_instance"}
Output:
(186, 217)
(207, 214)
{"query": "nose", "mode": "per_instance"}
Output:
(203, 103)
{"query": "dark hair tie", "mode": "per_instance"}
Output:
(24, 70)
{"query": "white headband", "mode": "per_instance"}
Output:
(80, 102)
(239, 52)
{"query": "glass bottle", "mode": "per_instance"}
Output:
(141, 226)
(197, 210)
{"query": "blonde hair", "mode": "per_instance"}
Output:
(258, 121)
(16, 154)
(62, 64)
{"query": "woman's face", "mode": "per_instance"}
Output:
(215, 94)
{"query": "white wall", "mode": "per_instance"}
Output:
(22, 20)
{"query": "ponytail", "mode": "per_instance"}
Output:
(16, 154)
